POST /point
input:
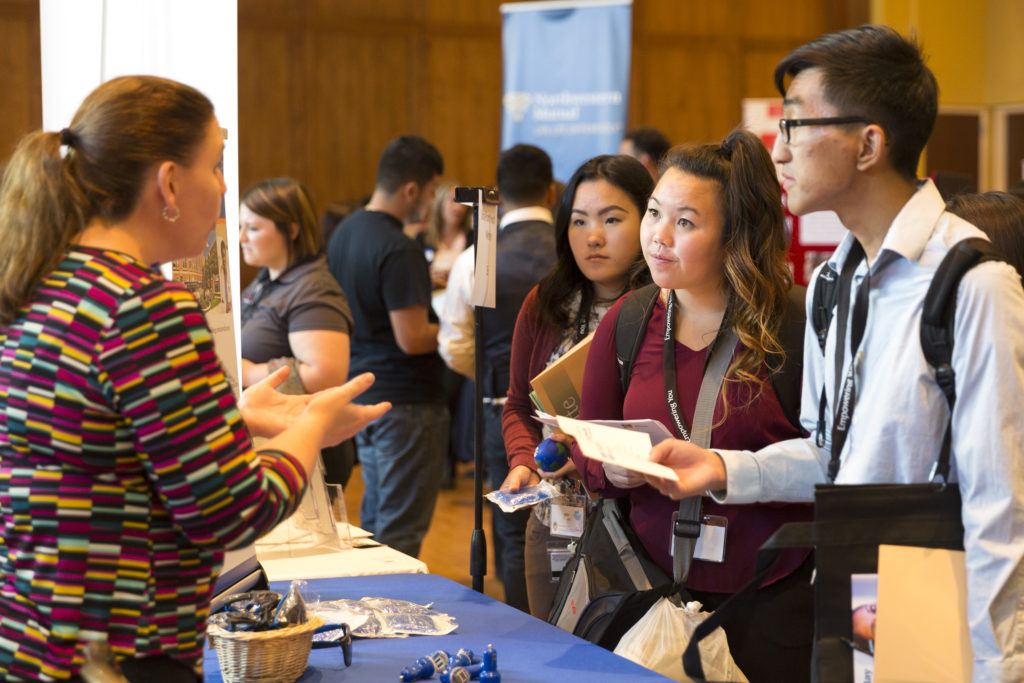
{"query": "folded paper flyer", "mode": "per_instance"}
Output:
(623, 445)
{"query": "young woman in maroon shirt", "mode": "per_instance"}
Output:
(597, 233)
(714, 238)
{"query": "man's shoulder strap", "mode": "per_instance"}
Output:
(823, 303)
(937, 316)
(630, 325)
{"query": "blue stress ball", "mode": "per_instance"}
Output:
(551, 455)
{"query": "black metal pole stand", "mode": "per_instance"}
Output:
(478, 544)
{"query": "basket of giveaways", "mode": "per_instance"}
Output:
(277, 655)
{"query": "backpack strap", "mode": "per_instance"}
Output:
(634, 313)
(937, 320)
(823, 305)
(788, 381)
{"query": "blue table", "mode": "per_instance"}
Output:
(528, 649)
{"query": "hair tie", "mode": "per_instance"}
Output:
(727, 148)
(67, 138)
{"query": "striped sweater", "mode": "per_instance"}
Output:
(125, 470)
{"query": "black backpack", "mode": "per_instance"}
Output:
(635, 312)
(937, 316)
(937, 320)
(609, 567)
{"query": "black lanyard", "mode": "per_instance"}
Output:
(668, 360)
(686, 528)
(845, 399)
(582, 328)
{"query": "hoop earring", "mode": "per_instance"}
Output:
(168, 215)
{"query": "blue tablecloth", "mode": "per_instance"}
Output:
(528, 649)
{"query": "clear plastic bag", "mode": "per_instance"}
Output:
(524, 497)
(657, 642)
(386, 618)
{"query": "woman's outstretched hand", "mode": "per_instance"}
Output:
(267, 412)
(519, 477)
(343, 418)
(698, 469)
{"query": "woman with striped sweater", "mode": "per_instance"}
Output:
(126, 464)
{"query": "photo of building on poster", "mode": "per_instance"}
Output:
(206, 276)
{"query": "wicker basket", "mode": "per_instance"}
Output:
(277, 656)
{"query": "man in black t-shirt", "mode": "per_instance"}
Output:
(524, 253)
(385, 278)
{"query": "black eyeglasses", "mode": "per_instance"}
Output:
(787, 125)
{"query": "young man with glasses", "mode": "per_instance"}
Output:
(858, 110)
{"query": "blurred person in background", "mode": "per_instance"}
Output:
(294, 312)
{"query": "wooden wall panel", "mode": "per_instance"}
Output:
(465, 92)
(685, 18)
(792, 21)
(463, 13)
(21, 105)
(324, 84)
(265, 135)
(758, 68)
(353, 112)
(691, 95)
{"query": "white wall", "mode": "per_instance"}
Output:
(87, 42)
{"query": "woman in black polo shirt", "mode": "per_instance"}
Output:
(293, 312)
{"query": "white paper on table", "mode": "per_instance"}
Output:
(654, 429)
(486, 253)
(921, 630)
(626, 448)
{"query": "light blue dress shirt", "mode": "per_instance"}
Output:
(901, 415)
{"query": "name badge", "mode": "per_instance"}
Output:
(710, 544)
(567, 520)
(558, 557)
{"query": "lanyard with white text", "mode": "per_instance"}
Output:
(846, 398)
(688, 520)
(721, 345)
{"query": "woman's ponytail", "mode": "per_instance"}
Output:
(57, 183)
(41, 210)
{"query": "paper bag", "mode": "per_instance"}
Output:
(921, 620)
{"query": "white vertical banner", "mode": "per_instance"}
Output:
(484, 281)
(87, 42)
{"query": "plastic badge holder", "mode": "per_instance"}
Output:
(524, 497)
(319, 521)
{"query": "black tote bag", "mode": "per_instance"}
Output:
(850, 522)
